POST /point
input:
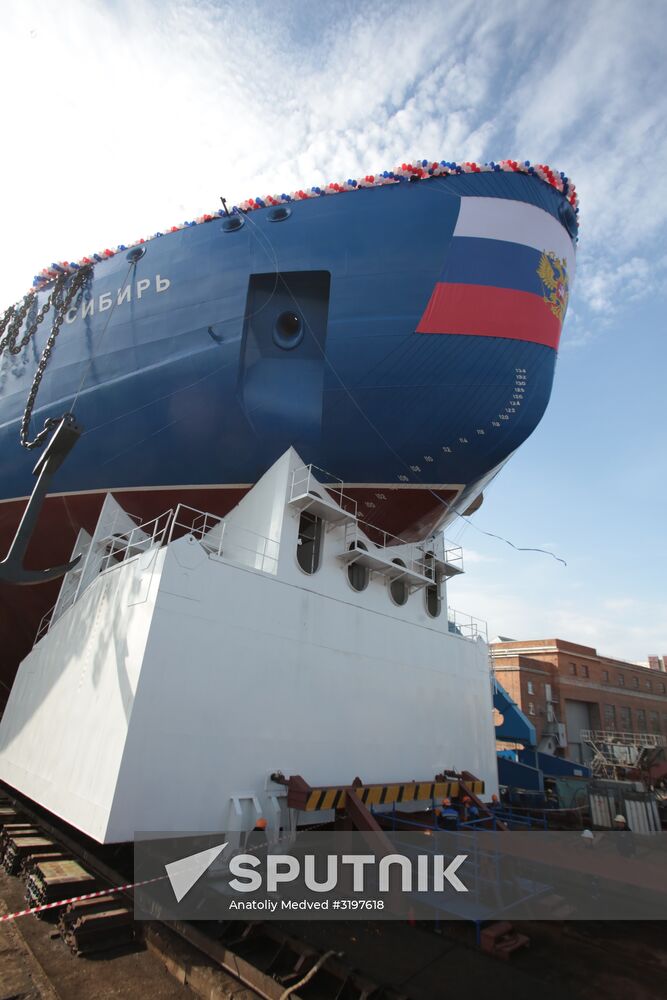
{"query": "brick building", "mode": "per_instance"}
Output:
(564, 687)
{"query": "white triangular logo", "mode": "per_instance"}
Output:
(186, 871)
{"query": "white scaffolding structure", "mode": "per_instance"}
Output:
(614, 752)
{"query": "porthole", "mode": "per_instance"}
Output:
(432, 595)
(232, 222)
(279, 213)
(433, 600)
(309, 545)
(288, 330)
(357, 574)
(136, 253)
(398, 588)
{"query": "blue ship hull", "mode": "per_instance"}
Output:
(194, 367)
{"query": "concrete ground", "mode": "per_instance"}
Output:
(579, 961)
(611, 961)
(35, 963)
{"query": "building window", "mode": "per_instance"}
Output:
(621, 680)
(641, 720)
(654, 722)
(398, 588)
(626, 719)
(648, 685)
(309, 546)
(531, 708)
(661, 688)
(605, 675)
(531, 687)
(584, 670)
(609, 717)
(573, 669)
(635, 682)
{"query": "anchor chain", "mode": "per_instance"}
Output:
(13, 320)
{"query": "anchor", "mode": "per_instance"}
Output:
(12, 569)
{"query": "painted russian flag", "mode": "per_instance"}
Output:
(507, 274)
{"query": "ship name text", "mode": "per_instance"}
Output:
(106, 300)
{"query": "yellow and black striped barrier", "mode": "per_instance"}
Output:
(383, 795)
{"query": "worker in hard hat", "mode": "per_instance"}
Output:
(624, 840)
(449, 818)
(257, 839)
(463, 805)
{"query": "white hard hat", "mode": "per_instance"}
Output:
(587, 835)
(620, 819)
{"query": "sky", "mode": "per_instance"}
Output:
(122, 118)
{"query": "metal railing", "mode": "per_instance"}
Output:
(389, 548)
(308, 478)
(44, 625)
(445, 551)
(121, 546)
(419, 557)
(226, 540)
(221, 539)
(451, 818)
(622, 739)
(467, 626)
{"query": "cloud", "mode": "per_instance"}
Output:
(473, 557)
(609, 283)
(533, 609)
(123, 118)
(127, 117)
(594, 98)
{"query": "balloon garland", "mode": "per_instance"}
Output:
(416, 171)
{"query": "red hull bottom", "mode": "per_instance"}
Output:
(22, 608)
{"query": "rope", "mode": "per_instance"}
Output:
(309, 975)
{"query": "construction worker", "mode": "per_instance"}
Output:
(448, 816)
(552, 799)
(257, 838)
(625, 841)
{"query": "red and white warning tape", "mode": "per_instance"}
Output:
(77, 899)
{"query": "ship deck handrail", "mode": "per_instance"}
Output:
(467, 626)
(234, 542)
(141, 538)
(307, 478)
(419, 563)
